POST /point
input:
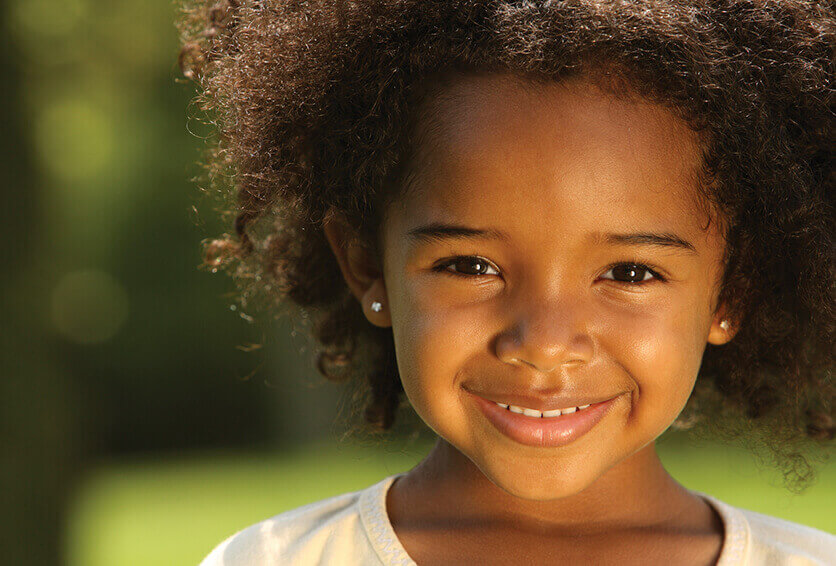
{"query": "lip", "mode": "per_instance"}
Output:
(540, 402)
(543, 432)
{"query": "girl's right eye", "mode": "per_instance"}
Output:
(466, 266)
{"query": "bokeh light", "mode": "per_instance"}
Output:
(89, 307)
(75, 138)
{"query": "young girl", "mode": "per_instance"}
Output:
(554, 229)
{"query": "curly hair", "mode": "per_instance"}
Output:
(316, 102)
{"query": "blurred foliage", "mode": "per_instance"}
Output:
(113, 341)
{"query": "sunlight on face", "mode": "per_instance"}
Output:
(583, 268)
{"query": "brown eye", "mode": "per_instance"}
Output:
(632, 273)
(465, 266)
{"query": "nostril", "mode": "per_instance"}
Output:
(521, 361)
(546, 356)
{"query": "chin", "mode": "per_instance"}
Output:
(537, 483)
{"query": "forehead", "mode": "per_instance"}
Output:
(496, 147)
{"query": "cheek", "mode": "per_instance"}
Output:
(433, 341)
(661, 350)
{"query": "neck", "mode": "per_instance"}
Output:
(638, 492)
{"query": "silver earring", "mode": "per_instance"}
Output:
(724, 324)
(376, 306)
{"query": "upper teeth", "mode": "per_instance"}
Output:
(536, 413)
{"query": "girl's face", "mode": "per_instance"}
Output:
(552, 246)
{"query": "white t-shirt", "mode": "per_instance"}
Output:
(353, 528)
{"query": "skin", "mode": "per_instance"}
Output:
(554, 167)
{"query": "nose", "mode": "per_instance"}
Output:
(546, 336)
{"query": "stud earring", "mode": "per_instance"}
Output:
(724, 324)
(377, 306)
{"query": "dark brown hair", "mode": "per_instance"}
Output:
(315, 104)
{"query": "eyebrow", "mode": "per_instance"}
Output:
(438, 231)
(664, 240)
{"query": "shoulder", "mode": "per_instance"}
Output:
(776, 541)
(753, 538)
(318, 533)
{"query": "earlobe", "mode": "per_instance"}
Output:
(358, 267)
(375, 305)
(723, 328)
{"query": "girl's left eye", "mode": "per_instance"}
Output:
(632, 273)
(467, 266)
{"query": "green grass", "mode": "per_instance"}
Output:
(174, 512)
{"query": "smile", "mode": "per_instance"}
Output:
(541, 414)
(547, 429)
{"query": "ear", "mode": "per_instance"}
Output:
(723, 328)
(359, 268)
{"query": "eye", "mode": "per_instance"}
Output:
(632, 273)
(467, 266)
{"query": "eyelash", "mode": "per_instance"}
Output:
(442, 268)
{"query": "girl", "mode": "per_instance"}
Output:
(554, 229)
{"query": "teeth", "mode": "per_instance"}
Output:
(544, 414)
